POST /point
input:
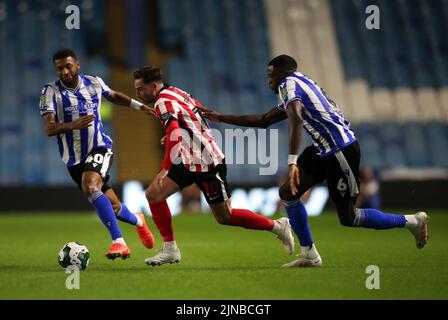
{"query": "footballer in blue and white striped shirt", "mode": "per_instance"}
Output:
(70, 109)
(334, 156)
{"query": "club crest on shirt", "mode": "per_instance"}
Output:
(284, 93)
(91, 90)
(42, 102)
(166, 116)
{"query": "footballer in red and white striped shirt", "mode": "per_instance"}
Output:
(191, 156)
(198, 149)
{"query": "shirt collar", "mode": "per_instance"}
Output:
(80, 81)
(165, 86)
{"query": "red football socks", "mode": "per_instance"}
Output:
(249, 220)
(161, 215)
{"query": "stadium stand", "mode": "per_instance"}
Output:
(383, 79)
(391, 83)
(395, 77)
(404, 64)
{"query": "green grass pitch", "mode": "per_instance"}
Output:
(220, 262)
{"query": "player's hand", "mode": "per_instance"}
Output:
(83, 122)
(148, 110)
(211, 115)
(160, 177)
(293, 179)
(163, 141)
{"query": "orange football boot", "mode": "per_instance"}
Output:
(144, 233)
(118, 250)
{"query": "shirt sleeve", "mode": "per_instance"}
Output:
(165, 112)
(290, 91)
(172, 144)
(46, 101)
(105, 90)
(280, 107)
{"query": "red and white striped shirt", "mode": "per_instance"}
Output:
(189, 139)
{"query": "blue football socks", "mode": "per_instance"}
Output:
(103, 207)
(375, 219)
(298, 218)
(126, 216)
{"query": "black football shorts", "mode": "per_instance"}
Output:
(340, 169)
(98, 160)
(213, 183)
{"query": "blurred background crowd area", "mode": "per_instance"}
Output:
(391, 83)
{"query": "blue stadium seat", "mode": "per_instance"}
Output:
(392, 145)
(371, 151)
(415, 145)
(437, 137)
(408, 51)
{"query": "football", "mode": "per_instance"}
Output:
(74, 254)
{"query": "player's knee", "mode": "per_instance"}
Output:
(285, 193)
(152, 196)
(89, 188)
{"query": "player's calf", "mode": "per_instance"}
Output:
(225, 220)
(222, 213)
(225, 215)
(346, 219)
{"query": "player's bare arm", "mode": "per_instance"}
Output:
(53, 128)
(172, 132)
(295, 123)
(122, 99)
(257, 120)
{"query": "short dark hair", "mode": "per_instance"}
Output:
(284, 62)
(64, 53)
(149, 74)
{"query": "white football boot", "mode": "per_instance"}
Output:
(282, 229)
(419, 228)
(170, 253)
(303, 261)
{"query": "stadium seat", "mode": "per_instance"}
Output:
(437, 133)
(392, 144)
(415, 145)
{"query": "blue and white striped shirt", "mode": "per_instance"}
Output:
(70, 104)
(322, 119)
